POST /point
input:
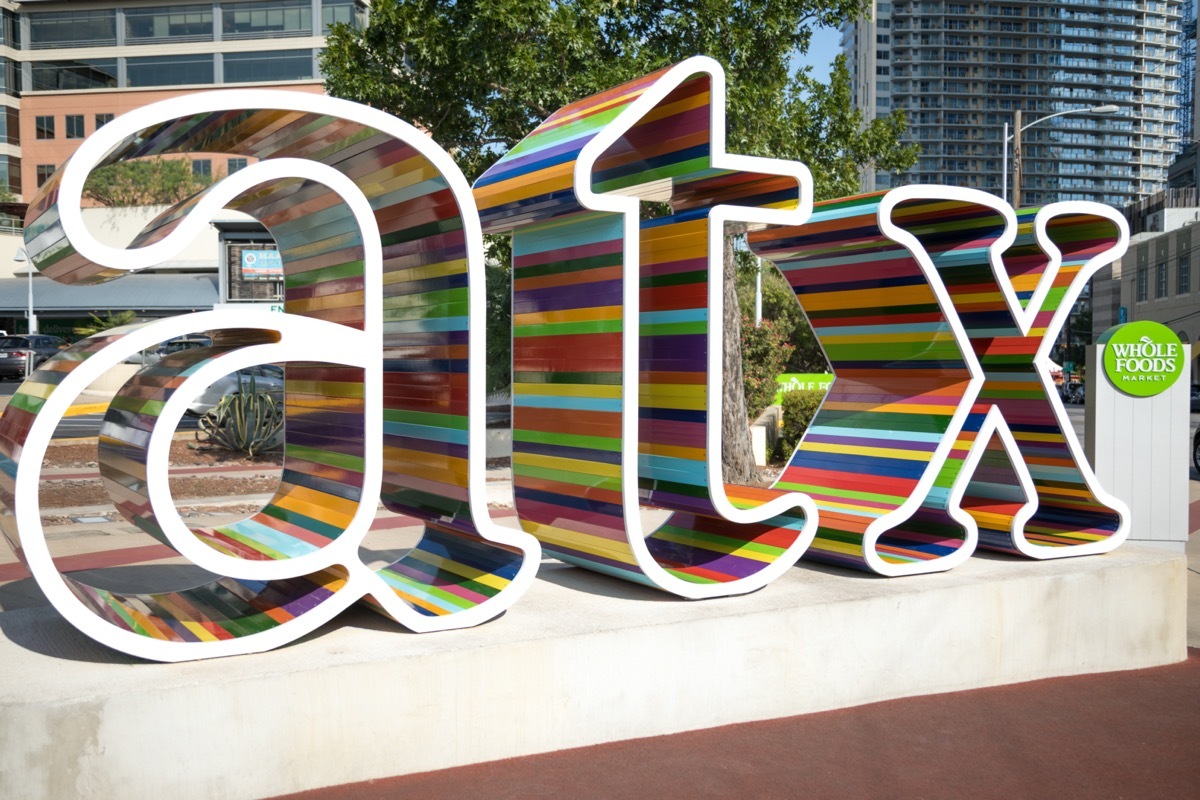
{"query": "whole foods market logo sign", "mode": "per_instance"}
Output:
(1142, 358)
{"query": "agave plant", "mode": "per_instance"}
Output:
(247, 421)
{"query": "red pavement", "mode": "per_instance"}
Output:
(1115, 735)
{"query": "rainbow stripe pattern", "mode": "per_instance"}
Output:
(612, 344)
(931, 305)
(936, 307)
(1006, 336)
(379, 236)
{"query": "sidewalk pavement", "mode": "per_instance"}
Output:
(1116, 735)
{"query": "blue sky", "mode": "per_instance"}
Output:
(825, 46)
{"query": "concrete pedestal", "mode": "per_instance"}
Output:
(583, 659)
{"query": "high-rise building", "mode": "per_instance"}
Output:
(960, 69)
(66, 68)
(1187, 72)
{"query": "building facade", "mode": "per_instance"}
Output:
(960, 69)
(1158, 278)
(68, 67)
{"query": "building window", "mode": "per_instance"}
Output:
(1142, 279)
(10, 29)
(169, 24)
(102, 120)
(1160, 287)
(278, 65)
(1185, 276)
(44, 171)
(45, 127)
(94, 73)
(181, 70)
(10, 128)
(10, 174)
(9, 83)
(343, 11)
(232, 165)
(202, 168)
(72, 29)
(75, 126)
(267, 19)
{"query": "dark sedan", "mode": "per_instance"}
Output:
(21, 354)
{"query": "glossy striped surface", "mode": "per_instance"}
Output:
(899, 378)
(573, 309)
(421, 312)
(922, 352)
(955, 236)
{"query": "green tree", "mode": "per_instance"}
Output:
(780, 307)
(144, 182)
(479, 75)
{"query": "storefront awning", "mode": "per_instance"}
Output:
(173, 294)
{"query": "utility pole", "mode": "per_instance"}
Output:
(1016, 168)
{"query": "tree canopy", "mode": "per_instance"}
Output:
(144, 182)
(479, 75)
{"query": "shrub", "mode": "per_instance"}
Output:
(765, 351)
(799, 408)
(247, 421)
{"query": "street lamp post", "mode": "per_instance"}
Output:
(30, 317)
(1018, 129)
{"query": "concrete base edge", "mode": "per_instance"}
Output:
(582, 659)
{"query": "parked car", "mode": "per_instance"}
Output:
(152, 354)
(183, 343)
(262, 378)
(21, 354)
(1071, 392)
(1196, 398)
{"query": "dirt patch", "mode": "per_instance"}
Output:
(81, 455)
(77, 493)
(80, 492)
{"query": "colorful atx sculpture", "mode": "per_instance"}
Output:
(936, 308)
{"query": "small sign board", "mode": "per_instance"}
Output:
(262, 265)
(809, 381)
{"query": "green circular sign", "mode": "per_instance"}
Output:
(1142, 358)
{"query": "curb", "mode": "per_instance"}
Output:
(74, 411)
(87, 408)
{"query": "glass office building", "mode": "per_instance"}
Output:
(961, 69)
(67, 67)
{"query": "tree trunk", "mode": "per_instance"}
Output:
(738, 455)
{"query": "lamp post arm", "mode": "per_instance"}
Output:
(1040, 120)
